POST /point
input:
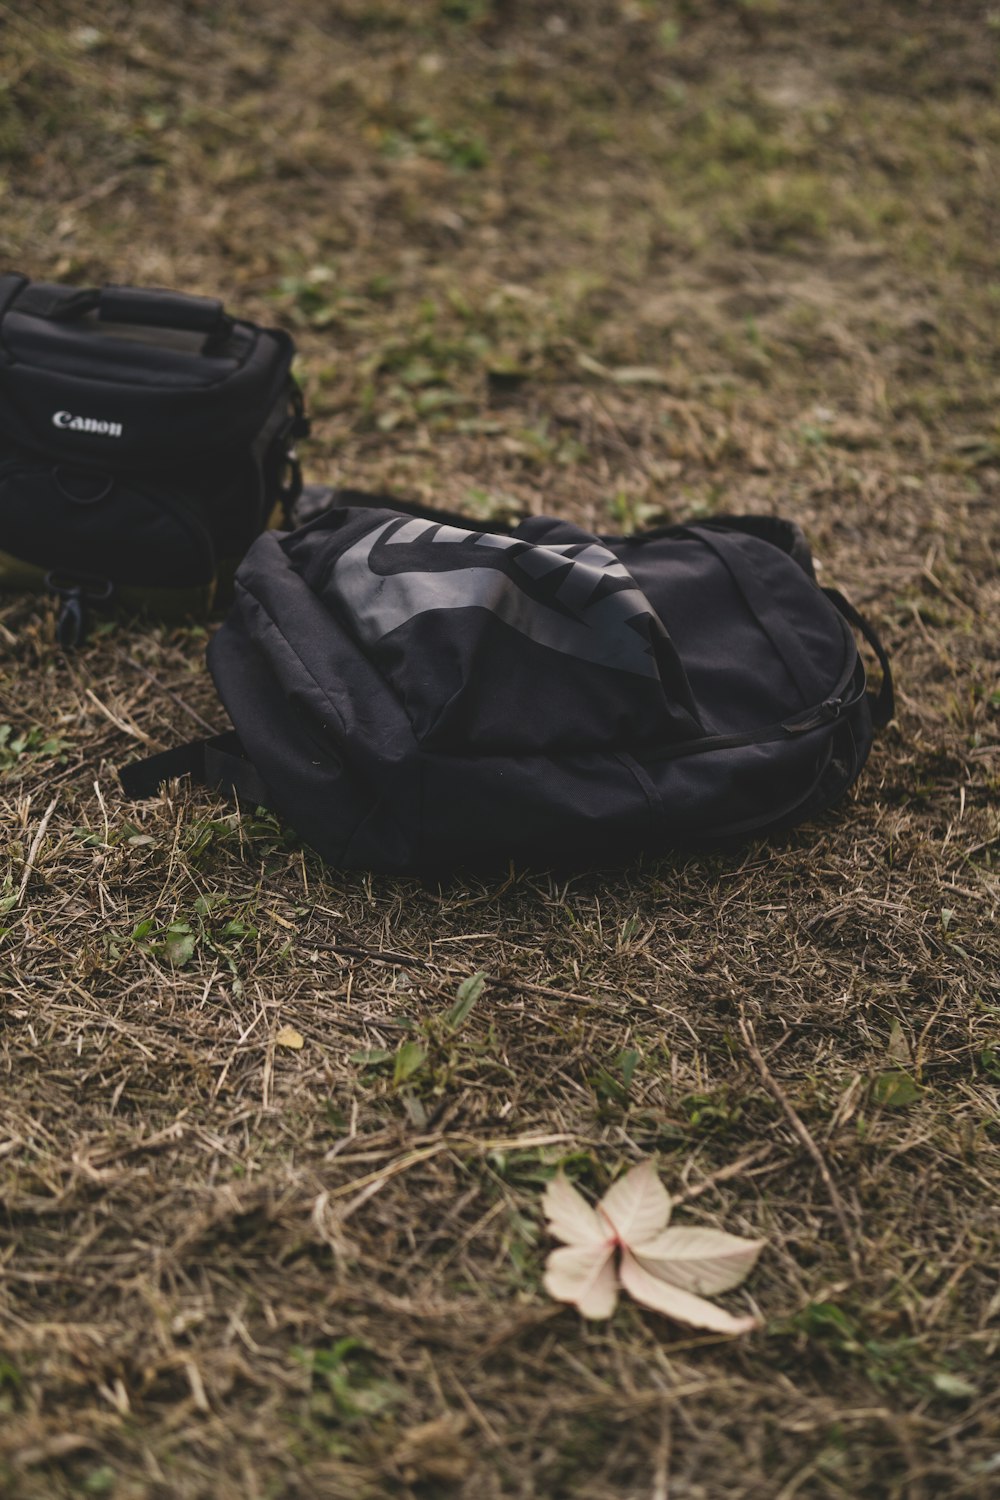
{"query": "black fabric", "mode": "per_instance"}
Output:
(415, 694)
(10, 284)
(153, 307)
(466, 688)
(145, 436)
(218, 762)
(145, 777)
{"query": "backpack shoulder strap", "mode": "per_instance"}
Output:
(882, 703)
(785, 535)
(218, 762)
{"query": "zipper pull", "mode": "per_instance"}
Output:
(814, 717)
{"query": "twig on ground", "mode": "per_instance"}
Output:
(132, 730)
(724, 1173)
(192, 713)
(411, 960)
(29, 863)
(796, 1122)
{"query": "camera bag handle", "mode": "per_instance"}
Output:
(149, 307)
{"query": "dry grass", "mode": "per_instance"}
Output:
(609, 259)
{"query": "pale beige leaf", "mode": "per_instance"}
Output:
(637, 1206)
(705, 1261)
(287, 1036)
(584, 1274)
(592, 366)
(640, 375)
(676, 1303)
(570, 1217)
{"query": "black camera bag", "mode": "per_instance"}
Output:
(145, 439)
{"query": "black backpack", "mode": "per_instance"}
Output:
(415, 693)
(145, 438)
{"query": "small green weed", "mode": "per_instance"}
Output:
(312, 298)
(346, 1387)
(31, 745)
(470, 11)
(895, 1089)
(100, 1481)
(890, 1364)
(430, 1062)
(460, 149)
(785, 212)
(613, 1085)
(712, 1112)
(175, 943)
(11, 1383)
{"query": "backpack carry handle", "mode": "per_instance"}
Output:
(150, 307)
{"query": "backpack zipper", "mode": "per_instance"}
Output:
(814, 718)
(827, 711)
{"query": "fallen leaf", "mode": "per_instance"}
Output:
(592, 366)
(668, 1270)
(585, 1275)
(571, 1218)
(703, 1261)
(637, 1206)
(953, 1386)
(640, 375)
(677, 1303)
(287, 1036)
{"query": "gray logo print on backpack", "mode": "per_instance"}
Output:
(600, 631)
